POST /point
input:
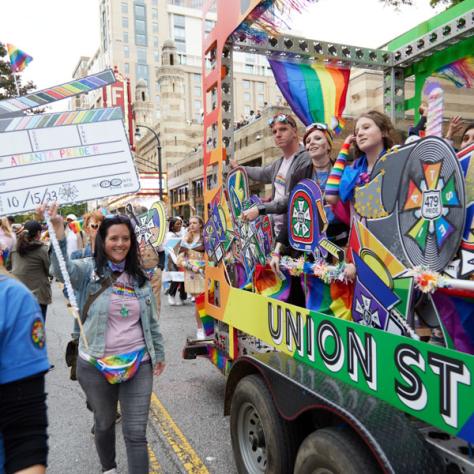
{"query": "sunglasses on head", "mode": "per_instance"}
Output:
(120, 218)
(281, 118)
(317, 126)
(94, 226)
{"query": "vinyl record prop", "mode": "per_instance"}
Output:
(307, 221)
(414, 203)
(215, 234)
(150, 227)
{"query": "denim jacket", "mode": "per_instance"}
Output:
(85, 282)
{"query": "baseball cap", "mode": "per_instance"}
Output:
(33, 227)
(72, 217)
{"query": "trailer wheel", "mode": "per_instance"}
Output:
(334, 451)
(262, 441)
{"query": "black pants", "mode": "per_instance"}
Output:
(175, 286)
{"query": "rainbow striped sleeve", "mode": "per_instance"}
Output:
(334, 180)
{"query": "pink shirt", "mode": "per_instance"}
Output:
(124, 329)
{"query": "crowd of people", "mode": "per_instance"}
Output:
(117, 284)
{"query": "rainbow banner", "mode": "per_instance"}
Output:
(18, 58)
(267, 283)
(13, 106)
(315, 92)
(460, 72)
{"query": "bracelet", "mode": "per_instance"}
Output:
(275, 254)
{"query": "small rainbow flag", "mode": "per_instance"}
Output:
(18, 58)
(267, 283)
(75, 226)
(207, 321)
(315, 92)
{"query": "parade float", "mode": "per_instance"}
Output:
(344, 384)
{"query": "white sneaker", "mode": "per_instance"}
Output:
(200, 334)
(110, 471)
(178, 301)
(171, 300)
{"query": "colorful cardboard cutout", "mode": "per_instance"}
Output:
(307, 221)
(238, 191)
(150, 227)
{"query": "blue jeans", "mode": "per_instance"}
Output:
(134, 396)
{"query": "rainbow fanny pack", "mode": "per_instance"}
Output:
(117, 368)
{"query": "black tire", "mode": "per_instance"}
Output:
(262, 441)
(334, 451)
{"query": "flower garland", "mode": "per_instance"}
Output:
(426, 280)
(319, 268)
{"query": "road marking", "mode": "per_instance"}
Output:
(154, 467)
(176, 439)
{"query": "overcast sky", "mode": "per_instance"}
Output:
(57, 32)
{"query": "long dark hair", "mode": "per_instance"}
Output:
(132, 260)
(27, 240)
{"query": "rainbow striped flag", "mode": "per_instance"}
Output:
(267, 283)
(18, 58)
(315, 92)
(334, 299)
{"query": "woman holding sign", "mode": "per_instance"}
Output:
(124, 344)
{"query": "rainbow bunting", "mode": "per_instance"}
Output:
(18, 58)
(460, 72)
(315, 92)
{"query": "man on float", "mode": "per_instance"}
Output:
(285, 134)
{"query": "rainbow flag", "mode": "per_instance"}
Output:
(315, 92)
(267, 283)
(75, 226)
(456, 310)
(333, 300)
(460, 72)
(207, 321)
(18, 58)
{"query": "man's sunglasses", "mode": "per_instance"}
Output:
(282, 118)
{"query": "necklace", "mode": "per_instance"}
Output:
(124, 291)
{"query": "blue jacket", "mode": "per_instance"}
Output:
(85, 282)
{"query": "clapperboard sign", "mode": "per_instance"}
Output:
(66, 157)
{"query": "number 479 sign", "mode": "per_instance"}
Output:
(66, 157)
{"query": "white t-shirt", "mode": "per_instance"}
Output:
(280, 183)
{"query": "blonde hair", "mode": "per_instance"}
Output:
(189, 235)
(96, 215)
(6, 226)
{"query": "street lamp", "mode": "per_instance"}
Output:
(160, 171)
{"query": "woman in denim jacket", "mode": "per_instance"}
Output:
(125, 346)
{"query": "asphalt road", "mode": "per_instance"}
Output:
(187, 432)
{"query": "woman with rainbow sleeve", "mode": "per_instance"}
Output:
(373, 136)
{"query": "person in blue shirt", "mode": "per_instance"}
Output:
(23, 364)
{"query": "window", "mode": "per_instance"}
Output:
(247, 97)
(155, 27)
(197, 79)
(260, 86)
(124, 22)
(197, 90)
(103, 21)
(154, 2)
(156, 55)
(126, 68)
(260, 100)
(141, 55)
(246, 85)
(247, 110)
(248, 68)
(125, 37)
(142, 72)
(208, 26)
(154, 13)
(140, 25)
(179, 33)
(140, 11)
(126, 52)
(124, 7)
(197, 104)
